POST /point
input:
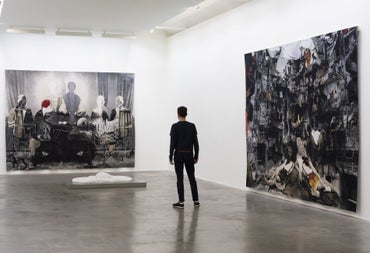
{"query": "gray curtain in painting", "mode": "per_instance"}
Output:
(16, 83)
(124, 84)
(103, 84)
(125, 88)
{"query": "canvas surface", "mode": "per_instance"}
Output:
(68, 120)
(302, 119)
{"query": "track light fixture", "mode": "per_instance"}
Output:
(69, 32)
(18, 29)
(118, 35)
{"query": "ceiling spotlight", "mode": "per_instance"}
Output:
(152, 30)
(118, 35)
(15, 29)
(68, 32)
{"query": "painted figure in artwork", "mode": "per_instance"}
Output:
(101, 110)
(19, 117)
(71, 103)
(119, 107)
(40, 144)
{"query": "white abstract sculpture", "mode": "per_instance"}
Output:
(101, 178)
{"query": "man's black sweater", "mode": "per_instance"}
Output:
(184, 138)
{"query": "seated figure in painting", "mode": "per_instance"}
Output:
(105, 131)
(20, 128)
(40, 145)
(71, 104)
(19, 117)
(119, 107)
(100, 112)
(122, 116)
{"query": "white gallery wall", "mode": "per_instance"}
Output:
(144, 56)
(203, 69)
(206, 73)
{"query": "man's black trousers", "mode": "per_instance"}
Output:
(181, 159)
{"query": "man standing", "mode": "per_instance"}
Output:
(184, 148)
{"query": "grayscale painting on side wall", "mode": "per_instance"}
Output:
(69, 120)
(302, 119)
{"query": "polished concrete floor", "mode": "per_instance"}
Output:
(38, 213)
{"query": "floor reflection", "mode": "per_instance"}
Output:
(186, 232)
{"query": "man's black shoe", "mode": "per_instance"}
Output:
(178, 205)
(196, 203)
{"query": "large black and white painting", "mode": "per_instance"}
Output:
(302, 119)
(68, 120)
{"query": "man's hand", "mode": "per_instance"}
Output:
(195, 161)
(171, 162)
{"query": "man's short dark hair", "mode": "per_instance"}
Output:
(182, 111)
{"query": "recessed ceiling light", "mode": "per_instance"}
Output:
(17, 29)
(118, 35)
(68, 32)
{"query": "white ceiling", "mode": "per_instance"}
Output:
(129, 16)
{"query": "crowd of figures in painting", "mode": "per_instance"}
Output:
(302, 119)
(69, 120)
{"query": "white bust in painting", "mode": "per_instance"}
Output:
(100, 111)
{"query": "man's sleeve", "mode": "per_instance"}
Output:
(172, 143)
(196, 144)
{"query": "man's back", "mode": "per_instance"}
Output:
(183, 133)
(184, 137)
